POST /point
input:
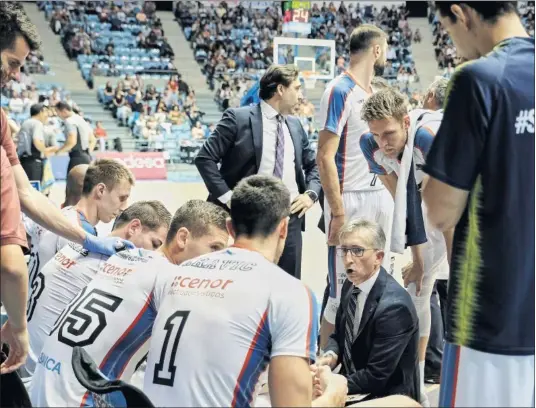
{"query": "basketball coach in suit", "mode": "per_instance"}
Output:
(376, 335)
(266, 139)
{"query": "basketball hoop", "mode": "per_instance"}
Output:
(308, 80)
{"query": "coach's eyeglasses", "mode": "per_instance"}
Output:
(354, 251)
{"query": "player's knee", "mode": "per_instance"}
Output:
(422, 306)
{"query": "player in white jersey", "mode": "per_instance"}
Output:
(112, 317)
(350, 191)
(144, 223)
(223, 317)
(105, 193)
(392, 129)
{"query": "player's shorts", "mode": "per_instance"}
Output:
(471, 378)
(376, 205)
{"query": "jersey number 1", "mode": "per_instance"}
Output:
(164, 370)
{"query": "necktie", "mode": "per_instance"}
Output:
(279, 148)
(350, 330)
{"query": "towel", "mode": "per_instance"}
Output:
(48, 177)
(408, 223)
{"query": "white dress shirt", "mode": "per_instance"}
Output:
(269, 145)
(365, 287)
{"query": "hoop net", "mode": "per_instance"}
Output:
(308, 80)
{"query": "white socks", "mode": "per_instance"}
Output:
(424, 397)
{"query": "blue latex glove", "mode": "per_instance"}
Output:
(106, 246)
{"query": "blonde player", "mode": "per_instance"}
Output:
(112, 317)
(350, 191)
(386, 113)
(105, 192)
(144, 223)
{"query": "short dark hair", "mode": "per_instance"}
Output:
(13, 23)
(197, 216)
(276, 75)
(107, 171)
(490, 11)
(36, 109)
(63, 106)
(258, 205)
(152, 215)
(362, 37)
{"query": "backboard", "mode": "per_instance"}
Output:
(316, 57)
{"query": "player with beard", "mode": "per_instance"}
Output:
(350, 191)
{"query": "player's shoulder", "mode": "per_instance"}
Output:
(340, 86)
(367, 142)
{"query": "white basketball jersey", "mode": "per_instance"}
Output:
(221, 318)
(51, 243)
(111, 318)
(340, 113)
(58, 283)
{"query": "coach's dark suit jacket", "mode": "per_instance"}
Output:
(385, 352)
(236, 143)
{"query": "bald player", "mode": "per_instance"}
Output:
(75, 183)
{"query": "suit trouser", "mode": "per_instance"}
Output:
(291, 258)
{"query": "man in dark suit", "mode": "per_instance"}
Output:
(265, 139)
(376, 335)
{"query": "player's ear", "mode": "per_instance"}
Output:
(230, 228)
(283, 228)
(182, 236)
(134, 226)
(406, 122)
(99, 189)
(460, 14)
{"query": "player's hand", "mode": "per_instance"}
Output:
(301, 204)
(106, 246)
(317, 388)
(413, 273)
(327, 361)
(17, 339)
(333, 384)
(334, 228)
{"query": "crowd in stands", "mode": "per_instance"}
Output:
(445, 51)
(18, 97)
(35, 63)
(233, 44)
(156, 115)
(111, 38)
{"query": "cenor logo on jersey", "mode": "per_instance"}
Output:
(63, 260)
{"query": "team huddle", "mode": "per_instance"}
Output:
(182, 318)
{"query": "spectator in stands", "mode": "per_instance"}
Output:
(175, 115)
(101, 135)
(417, 38)
(137, 109)
(197, 131)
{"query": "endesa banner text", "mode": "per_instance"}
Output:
(144, 165)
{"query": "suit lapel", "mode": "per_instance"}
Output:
(372, 299)
(256, 131)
